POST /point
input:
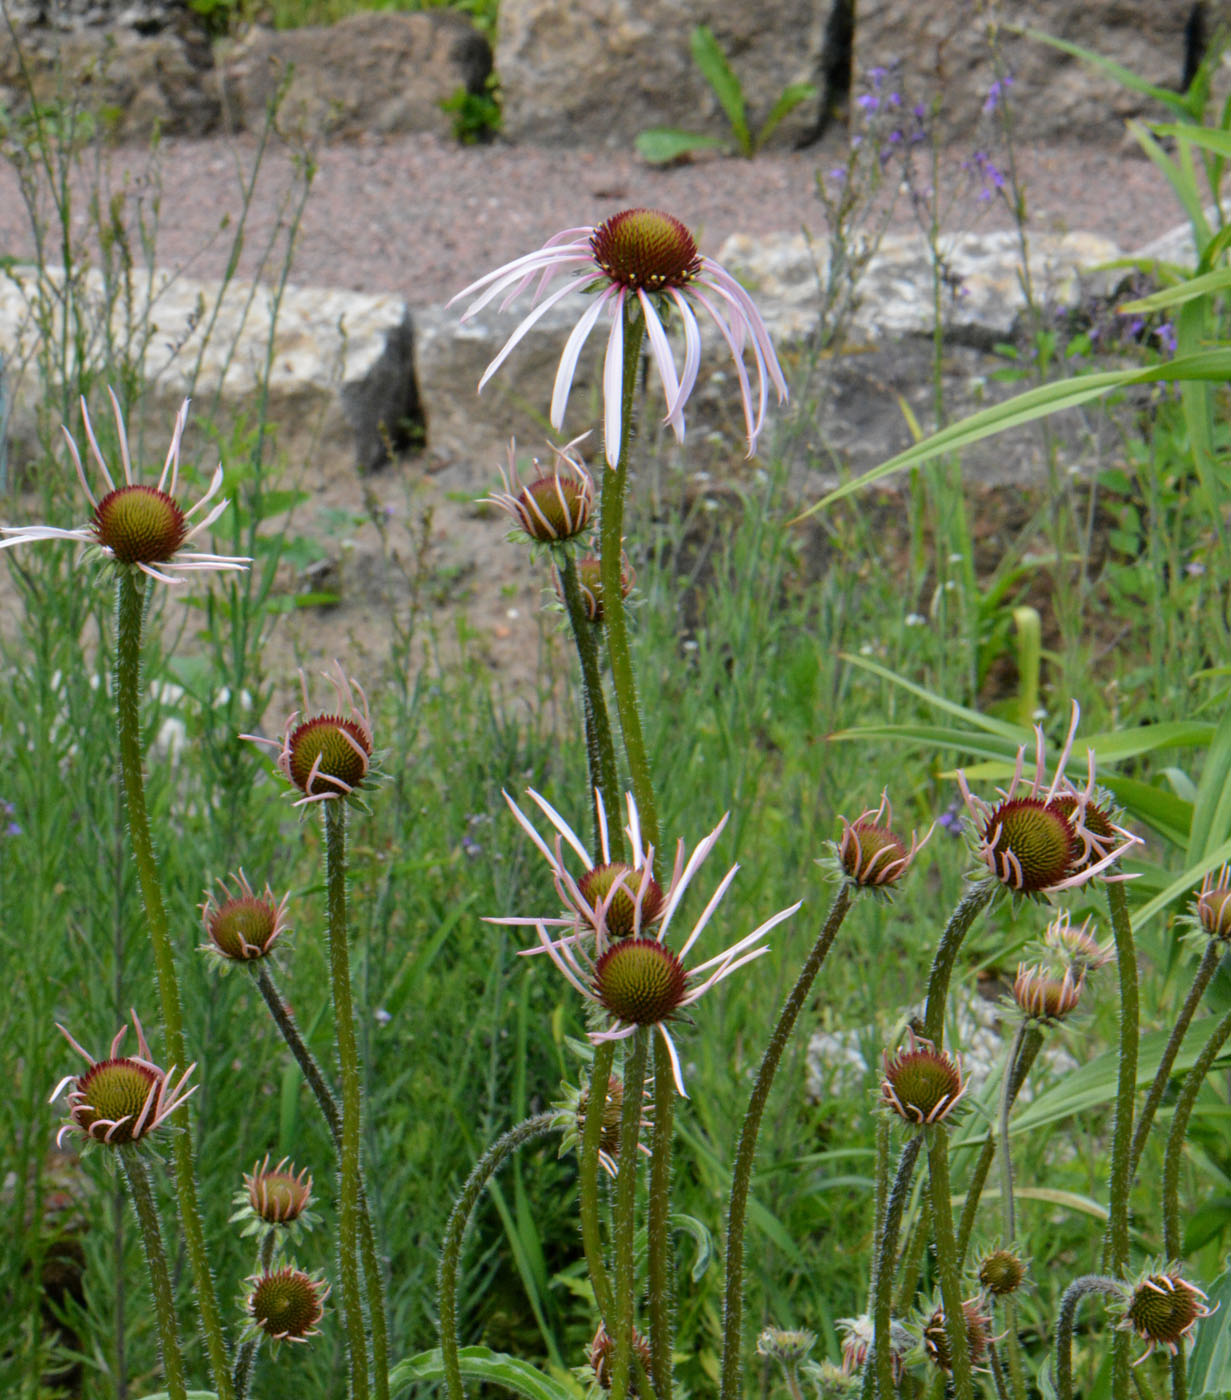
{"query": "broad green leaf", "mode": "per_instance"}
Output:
(485, 1367)
(792, 95)
(1036, 403)
(663, 144)
(1208, 138)
(1212, 813)
(707, 54)
(1209, 1363)
(1125, 76)
(1205, 285)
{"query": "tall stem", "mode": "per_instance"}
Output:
(947, 1264)
(625, 1216)
(1116, 1241)
(160, 1278)
(600, 747)
(614, 615)
(968, 909)
(247, 1352)
(1172, 1240)
(745, 1152)
(880, 1366)
(1205, 971)
(587, 1186)
(659, 1281)
(1008, 1208)
(348, 1065)
(455, 1231)
(1073, 1294)
(130, 607)
(373, 1274)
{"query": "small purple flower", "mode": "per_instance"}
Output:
(868, 101)
(1135, 327)
(876, 76)
(997, 91)
(950, 819)
(895, 137)
(919, 110)
(12, 829)
(894, 99)
(1166, 337)
(837, 175)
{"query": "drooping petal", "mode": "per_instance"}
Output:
(568, 359)
(613, 385)
(660, 350)
(527, 325)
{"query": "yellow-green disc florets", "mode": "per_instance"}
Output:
(1163, 1309)
(625, 900)
(1001, 1272)
(286, 1304)
(922, 1084)
(242, 926)
(140, 525)
(114, 1095)
(278, 1194)
(1045, 995)
(640, 981)
(329, 756)
(1029, 845)
(646, 250)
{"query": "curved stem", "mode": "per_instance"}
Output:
(1205, 971)
(130, 607)
(348, 1065)
(1116, 1242)
(373, 1275)
(455, 1231)
(947, 1264)
(745, 1152)
(1008, 1209)
(1172, 1242)
(587, 1186)
(659, 1281)
(624, 1223)
(600, 747)
(614, 616)
(968, 908)
(247, 1352)
(1073, 1294)
(160, 1278)
(881, 1362)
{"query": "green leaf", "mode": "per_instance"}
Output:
(1208, 138)
(710, 59)
(192, 1395)
(987, 723)
(703, 1239)
(1205, 285)
(1182, 885)
(663, 144)
(1209, 1363)
(483, 1365)
(1125, 76)
(1182, 184)
(1026, 408)
(1211, 822)
(791, 96)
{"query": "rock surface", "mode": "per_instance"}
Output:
(598, 72)
(377, 72)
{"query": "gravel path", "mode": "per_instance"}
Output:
(421, 217)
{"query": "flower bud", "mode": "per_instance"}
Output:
(277, 1195)
(1001, 1272)
(1042, 995)
(870, 851)
(922, 1085)
(555, 506)
(285, 1304)
(978, 1335)
(1163, 1308)
(242, 926)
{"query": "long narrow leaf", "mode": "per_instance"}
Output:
(1026, 408)
(487, 1367)
(1125, 76)
(988, 723)
(707, 54)
(1211, 823)
(1205, 285)
(1182, 884)
(790, 98)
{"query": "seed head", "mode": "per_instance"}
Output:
(555, 505)
(140, 525)
(242, 926)
(1001, 1272)
(121, 1099)
(640, 981)
(285, 1305)
(625, 899)
(871, 853)
(1163, 1308)
(646, 250)
(1044, 995)
(1028, 845)
(978, 1335)
(922, 1085)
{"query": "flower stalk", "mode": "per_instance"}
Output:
(968, 909)
(624, 1222)
(745, 1152)
(591, 1138)
(947, 1265)
(880, 1363)
(659, 1281)
(1073, 1294)
(130, 610)
(348, 1064)
(1172, 1239)
(247, 1351)
(160, 1278)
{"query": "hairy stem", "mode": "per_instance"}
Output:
(745, 1152)
(455, 1231)
(947, 1262)
(659, 1281)
(880, 1364)
(130, 608)
(968, 909)
(160, 1278)
(247, 1352)
(624, 1225)
(1172, 1239)
(1073, 1294)
(587, 1186)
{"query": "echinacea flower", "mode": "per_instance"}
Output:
(1044, 837)
(1162, 1309)
(922, 1085)
(978, 1335)
(858, 1334)
(285, 1305)
(1045, 994)
(242, 926)
(326, 756)
(1213, 906)
(871, 854)
(640, 258)
(135, 525)
(615, 950)
(555, 505)
(123, 1098)
(1077, 946)
(571, 1120)
(1001, 1272)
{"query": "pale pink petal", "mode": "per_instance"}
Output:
(613, 385)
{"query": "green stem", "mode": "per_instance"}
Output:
(968, 908)
(880, 1365)
(600, 747)
(1187, 1097)
(659, 1281)
(1116, 1241)
(947, 1263)
(160, 1278)
(348, 1065)
(1073, 1294)
(450, 1256)
(130, 607)
(373, 1274)
(587, 1187)
(1008, 1211)
(1205, 971)
(624, 1223)
(614, 615)
(247, 1353)
(745, 1152)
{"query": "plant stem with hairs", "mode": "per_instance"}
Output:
(455, 1231)
(1172, 1240)
(247, 1352)
(130, 609)
(947, 1262)
(615, 616)
(1073, 1294)
(659, 1281)
(587, 1187)
(160, 1278)
(1008, 1210)
(879, 1371)
(348, 1064)
(971, 904)
(624, 1222)
(745, 1152)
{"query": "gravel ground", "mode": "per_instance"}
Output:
(421, 217)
